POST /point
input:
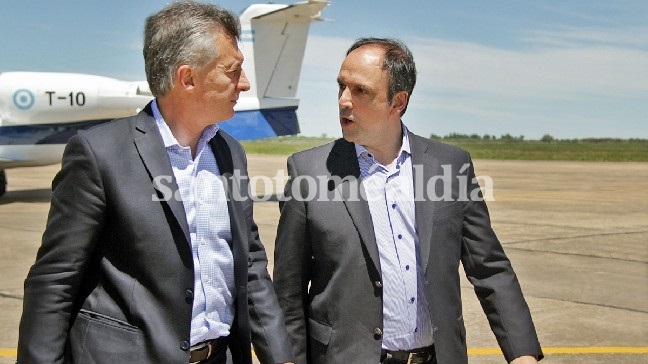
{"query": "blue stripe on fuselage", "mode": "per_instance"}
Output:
(44, 133)
(245, 125)
(259, 124)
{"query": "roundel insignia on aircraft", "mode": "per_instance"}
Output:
(23, 99)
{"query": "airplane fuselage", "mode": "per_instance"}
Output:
(41, 111)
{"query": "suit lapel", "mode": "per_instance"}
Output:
(424, 166)
(239, 244)
(151, 149)
(342, 162)
(223, 155)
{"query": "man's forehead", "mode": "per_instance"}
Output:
(371, 53)
(361, 71)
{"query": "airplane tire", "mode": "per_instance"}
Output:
(3, 182)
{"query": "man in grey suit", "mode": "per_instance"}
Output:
(150, 254)
(373, 227)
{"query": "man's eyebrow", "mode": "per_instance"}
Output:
(355, 84)
(340, 80)
(235, 65)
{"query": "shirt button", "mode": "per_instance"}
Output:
(407, 267)
(393, 206)
(412, 300)
(377, 333)
(400, 236)
(184, 345)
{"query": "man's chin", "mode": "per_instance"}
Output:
(349, 137)
(226, 117)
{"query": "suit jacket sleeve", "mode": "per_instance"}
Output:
(494, 280)
(54, 282)
(292, 260)
(269, 336)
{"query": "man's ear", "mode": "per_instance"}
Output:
(399, 102)
(185, 77)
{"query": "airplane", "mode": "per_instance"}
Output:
(40, 111)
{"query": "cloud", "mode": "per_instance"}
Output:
(546, 73)
(561, 79)
(632, 37)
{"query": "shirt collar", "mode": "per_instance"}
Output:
(362, 152)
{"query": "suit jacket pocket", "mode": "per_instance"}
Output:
(96, 338)
(447, 223)
(319, 331)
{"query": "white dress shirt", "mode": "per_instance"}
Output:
(390, 193)
(205, 203)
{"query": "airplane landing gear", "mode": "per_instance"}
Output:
(3, 182)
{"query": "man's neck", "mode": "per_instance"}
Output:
(388, 150)
(185, 132)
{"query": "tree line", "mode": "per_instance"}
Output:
(546, 138)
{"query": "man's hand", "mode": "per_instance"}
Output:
(527, 359)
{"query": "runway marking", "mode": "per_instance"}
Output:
(8, 353)
(496, 351)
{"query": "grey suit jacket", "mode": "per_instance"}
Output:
(327, 269)
(113, 280)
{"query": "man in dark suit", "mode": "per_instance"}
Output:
(373, 227)
(151, 254)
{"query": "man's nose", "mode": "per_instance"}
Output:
(344, 98)
(244, 83)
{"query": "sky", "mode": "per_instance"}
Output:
(568, 68)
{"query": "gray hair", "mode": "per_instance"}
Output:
(183, 33)
(398, 62)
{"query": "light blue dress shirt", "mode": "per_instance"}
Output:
(205, 203)
(390, 193)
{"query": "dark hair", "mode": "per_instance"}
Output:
(183, 33)
(398, 62)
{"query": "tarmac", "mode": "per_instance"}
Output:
(576, 233)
